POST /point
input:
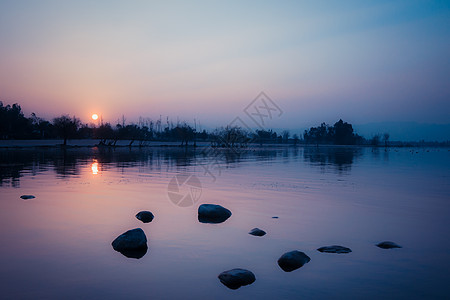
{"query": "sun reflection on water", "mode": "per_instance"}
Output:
(94, 168)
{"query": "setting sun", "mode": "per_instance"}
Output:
(94, 117)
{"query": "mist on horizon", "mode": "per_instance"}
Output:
(362, 62)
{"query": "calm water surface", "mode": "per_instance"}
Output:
(58, 245)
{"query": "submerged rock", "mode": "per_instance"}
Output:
(293, 260)
(212, 213)
(236, 278)
(27, 197)
(257, 232)
(135, 253)
(334, 249)
(388, 245)
(132, 244)
(145, 216)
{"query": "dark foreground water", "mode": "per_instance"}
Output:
(58, 245)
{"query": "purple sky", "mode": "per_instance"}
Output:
(362, 61)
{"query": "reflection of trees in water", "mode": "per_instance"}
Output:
(14, 162)
(232, 156)
(69, 162)
(340, 157)
(10, 174)
(65, 164)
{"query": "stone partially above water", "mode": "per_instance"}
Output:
(132, 244)
(236, 278)
(293, 260)
(388, 245)
(27, 197)
(257, 232)
(212, 213)
(145, 216)
(334, 249)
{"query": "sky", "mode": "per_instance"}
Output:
(362, 61)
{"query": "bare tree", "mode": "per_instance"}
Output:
(386, 139)
(66, 126)
(285, 134)
(375, 141)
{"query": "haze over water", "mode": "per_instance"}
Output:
(59, 244)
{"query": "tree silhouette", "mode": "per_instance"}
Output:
(184, 133)
(318, 135)
(340, 134)
(375, 141)
(386, 139)
(285, 134)
(230, 136)
(13, 124)
(343, 133)
(66, 126)
(41, 128)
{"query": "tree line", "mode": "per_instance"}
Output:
(14, 125)
(342, 133)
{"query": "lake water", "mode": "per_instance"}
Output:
(58, 245)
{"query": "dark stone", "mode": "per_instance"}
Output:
(145, 216)
(275, 217)
(137, 254)
(293, 260)
(212, 213)
(132, 244)
(257, 232)
(334, 249)
(388, 245)
(27, 197)
(236, 278)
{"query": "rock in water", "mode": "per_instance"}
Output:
(257, 232)
(236, 278)
(27, 197)
(212, 213)
(145, 216)
(293, 260)
(388, 245)
(132, 244)
(334, 249)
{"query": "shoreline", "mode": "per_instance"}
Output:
(90, 143)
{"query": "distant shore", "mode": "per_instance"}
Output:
(55, 143)
(87, 143)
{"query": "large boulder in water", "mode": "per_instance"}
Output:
(132, 244)
(236, 278)
(145, 216)
(387, 245)
(212, 213)
(334, 249)
(257, 232)
(293, 260)
(27, 197)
